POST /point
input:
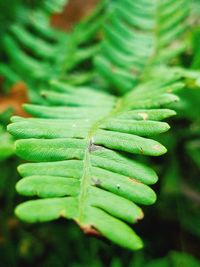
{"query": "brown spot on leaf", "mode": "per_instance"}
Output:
(140, 217)
(133, 180)
(90, 230)
(141, 150)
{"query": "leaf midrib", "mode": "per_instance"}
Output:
(85, 179)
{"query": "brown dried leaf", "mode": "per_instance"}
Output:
(73, 12)
(14, 99)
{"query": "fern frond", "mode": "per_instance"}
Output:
(83, 145)
(34, 47)
(53, 6)
(137, 35)
(194, 12)
(31, 45)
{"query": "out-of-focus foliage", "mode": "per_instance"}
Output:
(31, 45)
(139, 34)
(172, 224)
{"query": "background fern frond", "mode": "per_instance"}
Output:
(34, 47)
(30, 44)
(138, 34)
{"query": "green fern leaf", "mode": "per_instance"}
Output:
(32, 46)
(53, 6)
(83, 145)
(138, 34)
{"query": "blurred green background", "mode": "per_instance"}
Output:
(171, 228)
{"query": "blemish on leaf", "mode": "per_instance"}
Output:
(141, 150)
(157, 147)
(90, 230)
(134, 181)
(62, 213)
(143, 115)
(93, 147)
(118, 186)
(96, 182)
(140, 217)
